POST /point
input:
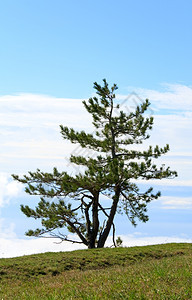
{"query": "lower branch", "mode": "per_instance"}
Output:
(63, 237)
(80, 235)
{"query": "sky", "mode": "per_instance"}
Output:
(51, 53)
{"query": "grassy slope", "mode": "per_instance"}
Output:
(150, 272)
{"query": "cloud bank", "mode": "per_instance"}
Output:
(18, 247)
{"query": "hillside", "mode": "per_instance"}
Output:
(149, 272)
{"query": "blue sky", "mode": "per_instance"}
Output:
(50, 55)
(60, 48)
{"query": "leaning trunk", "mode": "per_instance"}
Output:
(107, 229)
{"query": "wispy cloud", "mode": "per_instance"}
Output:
(172, 97)
(171, 202)
(31, 110)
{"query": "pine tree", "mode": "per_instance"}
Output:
(112, 173)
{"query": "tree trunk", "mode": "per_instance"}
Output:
(95, 223)
(91, 242)
(107, 229)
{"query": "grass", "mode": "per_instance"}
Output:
(150, 272)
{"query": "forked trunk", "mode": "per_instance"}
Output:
(95, 223)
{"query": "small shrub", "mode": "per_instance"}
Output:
(119, 242)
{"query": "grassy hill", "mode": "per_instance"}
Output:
(150, 272)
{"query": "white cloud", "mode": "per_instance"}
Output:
(8, 189)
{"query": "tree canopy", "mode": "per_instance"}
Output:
(78, 202)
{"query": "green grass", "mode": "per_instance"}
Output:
(150, 272)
